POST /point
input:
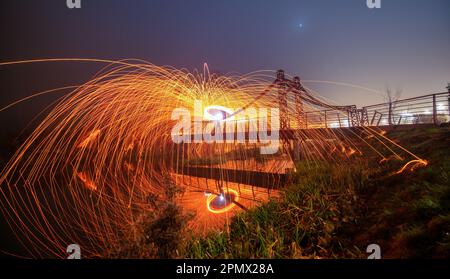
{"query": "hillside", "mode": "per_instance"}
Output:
(336, 211)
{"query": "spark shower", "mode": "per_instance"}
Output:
(87, 171)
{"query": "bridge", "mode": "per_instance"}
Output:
(314, 116)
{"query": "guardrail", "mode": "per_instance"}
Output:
(427, 109)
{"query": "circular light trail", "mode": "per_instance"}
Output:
(222, 203)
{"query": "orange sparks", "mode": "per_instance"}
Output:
(87, 181)
(121, 120)
(413, 164)
(92, 137)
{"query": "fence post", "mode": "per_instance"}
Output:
(373, 118)
(390, 114)
(434, 110)
(348, 118)
(379, 119)
(448, 106)
(306, 120)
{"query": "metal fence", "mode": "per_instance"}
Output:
(427, 109)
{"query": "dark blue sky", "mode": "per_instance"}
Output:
(404, 44)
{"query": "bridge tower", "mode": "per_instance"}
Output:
(283, 87)
(364, 117)
(299, 112)
(353, 116)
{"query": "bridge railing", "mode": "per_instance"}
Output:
(327, 119)
(427, 109)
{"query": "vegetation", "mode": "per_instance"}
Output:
(409, 214)
(329, 211)
(158, 233)
(336, 211)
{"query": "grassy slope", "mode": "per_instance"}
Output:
(409, 214)
(335, 211)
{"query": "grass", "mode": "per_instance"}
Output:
(303, 223)
(409, 214)
(336, 210)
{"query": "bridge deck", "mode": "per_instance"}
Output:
(253, 178)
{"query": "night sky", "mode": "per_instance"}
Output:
(405, 44)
